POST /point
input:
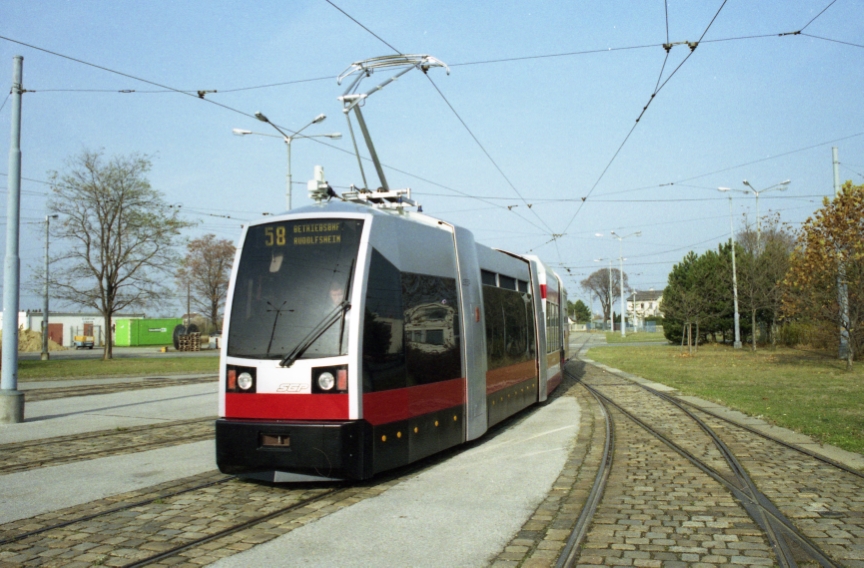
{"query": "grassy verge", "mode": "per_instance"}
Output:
(90, 368)
(615, 337)
(803, 391)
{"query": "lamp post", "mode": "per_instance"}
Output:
(288, 139)
(779, 187)
(621, 260)
(45, 355)
(737, 344)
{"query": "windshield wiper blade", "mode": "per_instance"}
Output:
(336, 315)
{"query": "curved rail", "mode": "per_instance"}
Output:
(22, 536)
(760, 508)
(230, 530)
(570, 552)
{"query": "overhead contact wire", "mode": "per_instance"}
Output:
(817, 15)
(388, 44)
(488, 155)
(644, 109)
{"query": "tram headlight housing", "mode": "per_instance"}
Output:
(240, 379)
(330, 380)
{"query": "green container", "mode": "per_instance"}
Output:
(137, 332)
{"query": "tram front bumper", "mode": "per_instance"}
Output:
(323, 450)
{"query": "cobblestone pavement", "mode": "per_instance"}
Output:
(35, 395)
(824, 502)
(23, 456)
(658, 509)
(123, 537)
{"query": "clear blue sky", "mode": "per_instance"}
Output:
(737, 109)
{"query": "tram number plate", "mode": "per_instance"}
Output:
(275, 440)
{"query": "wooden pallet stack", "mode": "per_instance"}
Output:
(190, 342)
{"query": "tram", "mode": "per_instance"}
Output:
(362, 335)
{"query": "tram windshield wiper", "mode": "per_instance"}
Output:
(337, 314)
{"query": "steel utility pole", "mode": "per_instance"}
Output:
(12, 400)
(842, 292)
(45, 355)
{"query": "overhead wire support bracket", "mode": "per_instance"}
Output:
(351, 100)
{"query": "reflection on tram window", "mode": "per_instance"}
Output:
(509, 319)
(411, 333)
(432, 332)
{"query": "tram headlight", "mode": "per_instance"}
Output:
(245, 381)
(330, 380)
(326, 381)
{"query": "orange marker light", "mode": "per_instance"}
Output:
(232, 379)
(342, 379)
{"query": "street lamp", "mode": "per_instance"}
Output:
(737, 344)
(45, 303)
(288, 138)
(621, 259)
(779, 187)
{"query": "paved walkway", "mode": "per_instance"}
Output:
(462, 512)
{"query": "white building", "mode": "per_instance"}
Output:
(63, 326)
(641, 305)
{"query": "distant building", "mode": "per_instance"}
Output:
(641, 305)
(63, 326)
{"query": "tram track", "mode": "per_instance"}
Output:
(25, 456)
(822, 497)
(777, 528)
(51, 393)
(203, 518)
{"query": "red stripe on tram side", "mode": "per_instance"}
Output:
(401, 404)
(504, 377)
(287, 406)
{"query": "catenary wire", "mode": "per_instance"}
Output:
(211, 102)
(833, 40)
(817, 15)
(447, 102)
(632, 128)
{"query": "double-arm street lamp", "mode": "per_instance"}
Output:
(778, 186)
(621, 260)
(288, 139)
(737, 344)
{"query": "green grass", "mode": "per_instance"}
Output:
(807, 392)
(95, 368)
(615, 337)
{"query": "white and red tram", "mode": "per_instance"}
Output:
(360, 338)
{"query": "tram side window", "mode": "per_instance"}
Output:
(383, 343)
(553, 322)
(432, 328)
(509, 327)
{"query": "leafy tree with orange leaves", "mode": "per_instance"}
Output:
(828, 255)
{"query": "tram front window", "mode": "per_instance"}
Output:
(292, 289)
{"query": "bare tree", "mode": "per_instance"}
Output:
(598, 283)
(762, 268)
(118, 233)
(205, 272)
